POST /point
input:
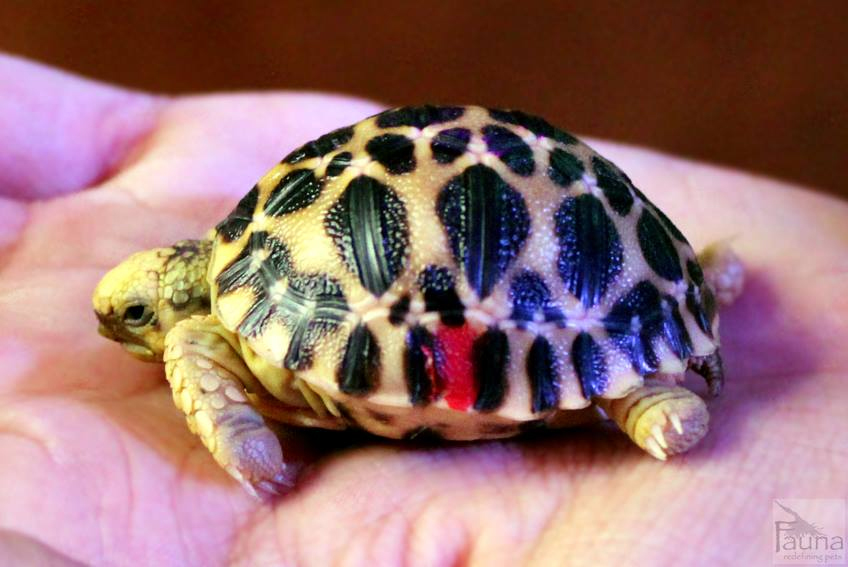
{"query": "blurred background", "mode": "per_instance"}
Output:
(760, 85)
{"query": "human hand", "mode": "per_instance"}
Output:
(98, 465)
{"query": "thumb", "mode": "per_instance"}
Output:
(60, 133)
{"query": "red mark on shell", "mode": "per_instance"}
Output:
(456, 366)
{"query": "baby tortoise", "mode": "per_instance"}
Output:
(456, 270)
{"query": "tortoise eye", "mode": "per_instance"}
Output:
(137, 315)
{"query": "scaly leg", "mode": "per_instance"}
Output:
(204, 372)
(660, 418)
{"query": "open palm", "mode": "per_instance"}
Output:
(98, 466)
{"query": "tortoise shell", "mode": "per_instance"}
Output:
(459, 258)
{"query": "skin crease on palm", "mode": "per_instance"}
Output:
(98, 466)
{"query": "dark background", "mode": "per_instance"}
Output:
(759, 85)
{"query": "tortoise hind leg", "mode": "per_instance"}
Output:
(723, 271)
(660, 418)
(204, 373)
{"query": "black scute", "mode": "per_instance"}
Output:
(669, 226)
(695, 272)
(232, 227)
(539, 126)
(398, 310)
(588, 361)
(439, 289)
(564, 167)
(296, 190)
(674, 329)
(590, 248)
(657, 247)
(701, 304)
(358, 372)
(416, 359)
(369, 228)
(321, 146)
(395, 152)
(614, 184)
(487, 223)
(418, 116)
(338, 164)
(449, 144)
(530, 295)
(510, 149)
(542, 371)
(490, 355)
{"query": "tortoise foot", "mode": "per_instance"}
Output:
(663, 420)
(201, 368)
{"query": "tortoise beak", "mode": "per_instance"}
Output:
(140, 352)
(105, 325)
(130, 343)
(106, 332)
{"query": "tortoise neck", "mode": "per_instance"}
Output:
(183, 280)
(183, 286)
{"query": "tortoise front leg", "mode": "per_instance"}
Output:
(660, 418)
(206, 376)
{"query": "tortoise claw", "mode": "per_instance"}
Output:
(711, 368)
(269, 489)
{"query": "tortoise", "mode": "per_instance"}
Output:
(463, 272)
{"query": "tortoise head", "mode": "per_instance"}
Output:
(143, 297)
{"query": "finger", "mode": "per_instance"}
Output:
(206, 152)
(21, 549)
(60, 133)
(209, 150)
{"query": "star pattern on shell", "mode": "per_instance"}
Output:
(486, 253)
